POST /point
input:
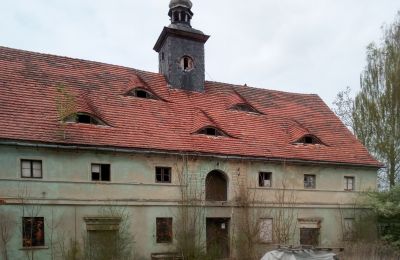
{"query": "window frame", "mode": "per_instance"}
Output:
(31, 162)
(314, 186)
(100, 172)
(261, 231)
(160, 237)
(163, 173)
(346, 183)
(261, 179)
(26, 237)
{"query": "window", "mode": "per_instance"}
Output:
(163, 174)
(348, 183)
(244, 108)
(348, 229)
(141, 93)
(309, 181)
(266, 230)
(84, 118)
(216, 186)
(309, 236)
(211, 131)
(32, 231)
(164, 230)
(309, 139)
(101, 172)
(186, 63)
(31, 169)
(264, 179)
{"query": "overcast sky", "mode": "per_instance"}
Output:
(305, 46)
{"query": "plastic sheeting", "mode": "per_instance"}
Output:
(306, 254)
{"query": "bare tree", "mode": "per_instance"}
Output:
(7, 227)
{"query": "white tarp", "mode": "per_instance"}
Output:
(306, 254)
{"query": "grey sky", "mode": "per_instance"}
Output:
(306, 46)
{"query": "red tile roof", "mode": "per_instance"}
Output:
(28, 112)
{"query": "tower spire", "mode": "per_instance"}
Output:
(181, 49)
(180, 12)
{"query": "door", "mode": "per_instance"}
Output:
(217, 232)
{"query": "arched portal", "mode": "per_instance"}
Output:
(216, 186)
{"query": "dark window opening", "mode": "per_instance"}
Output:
(163, 174)
(31, 169)
(244, 108)
(309, 236)
(176, 16)
(216, 186)
(141, 93)
(309, 181)
(309, 139)
(162, 55)
(32, 231)
(211, 132)
(186, 63)
(101, 172)
(265, 179)
(164, 230)
(83, 118)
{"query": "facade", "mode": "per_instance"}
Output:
(89, 149)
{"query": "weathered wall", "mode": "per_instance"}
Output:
(67, 193)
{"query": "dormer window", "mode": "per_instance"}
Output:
(84, 118)
(211, 131)
(186, 63)
(309, 139)
(141, 93)
(244, 107)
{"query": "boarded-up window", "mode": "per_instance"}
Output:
(216, 187)
(164, 230)
(309, 236)
(266, 230)
(32, 231)
(348, 229)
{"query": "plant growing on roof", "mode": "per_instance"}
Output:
(66, 107)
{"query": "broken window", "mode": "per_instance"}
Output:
(141, 93)
(244, 108)
(348, 183)
(31, 169)
(164, 230)
(211, 131)
(309, 236)
(101, 172)
(265, 179)
(186, 63)
(163, 174)
(83, 118)
(216, 186)
(32, 231)
(309, 181)
(309, 139)
(265, 230)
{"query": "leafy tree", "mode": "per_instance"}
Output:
(375, 112)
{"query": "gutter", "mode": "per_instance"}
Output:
(180, 153)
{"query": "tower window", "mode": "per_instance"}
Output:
(186, 63)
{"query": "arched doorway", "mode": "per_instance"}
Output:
(216, 186)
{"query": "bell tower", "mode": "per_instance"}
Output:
(181, 49)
